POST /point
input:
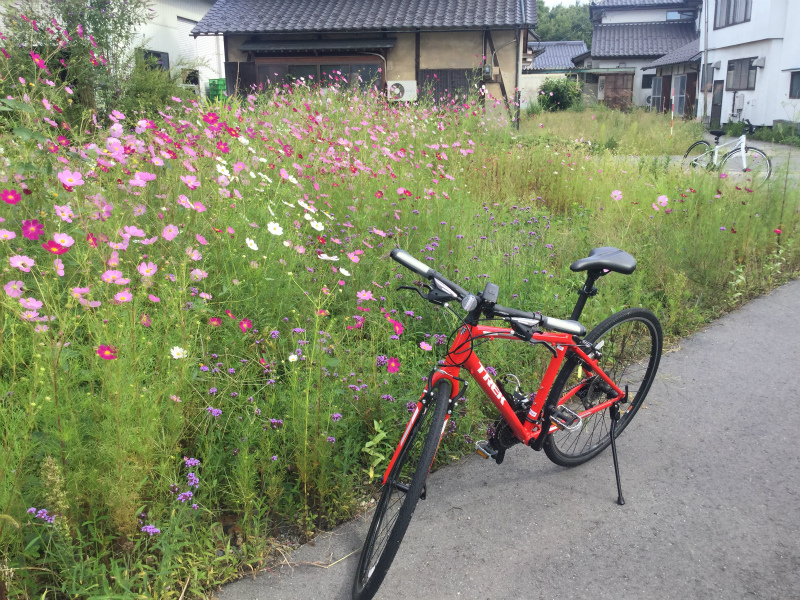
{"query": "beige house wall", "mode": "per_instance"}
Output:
(507, 58)
(450, 49)
(234, 41)
(400, 60)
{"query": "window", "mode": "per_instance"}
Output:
(655, 97)
(647, 82)
(741, 75)
(161, 59)
(591, 77)
(682, 15)
(732, 12)
(794, 86)
(708, 77)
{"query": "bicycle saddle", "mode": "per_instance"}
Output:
(717, 132)
(609, 258)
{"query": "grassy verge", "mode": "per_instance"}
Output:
(241, 383)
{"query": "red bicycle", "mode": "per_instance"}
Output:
(593, 386)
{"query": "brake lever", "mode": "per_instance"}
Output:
(415, 289)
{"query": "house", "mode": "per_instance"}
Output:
(628, 35)
(676, 79)
(168, 38)
(404, 46)
(550, 59)
(752, 66)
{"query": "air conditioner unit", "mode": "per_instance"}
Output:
(402, 91)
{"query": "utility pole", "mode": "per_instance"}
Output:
(704, 69)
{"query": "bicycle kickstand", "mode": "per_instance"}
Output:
(614, 418)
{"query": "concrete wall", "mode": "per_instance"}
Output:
(531, 83)
(162, 35)
(634, 16)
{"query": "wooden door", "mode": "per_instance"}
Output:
(619, 90)
(666, 93)
(691, 95)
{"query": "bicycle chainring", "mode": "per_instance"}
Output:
(503, 434)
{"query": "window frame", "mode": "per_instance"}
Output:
(748, 11)
(159, 56)
(650, 81)
(794, 81)
(750, 68)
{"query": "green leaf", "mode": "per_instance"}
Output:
(23, 132)
(332, 362)
(17, 105)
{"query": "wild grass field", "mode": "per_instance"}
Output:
(202, 346)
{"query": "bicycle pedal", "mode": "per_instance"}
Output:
(484, 449)
(566, 419)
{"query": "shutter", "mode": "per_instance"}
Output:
(187, 44)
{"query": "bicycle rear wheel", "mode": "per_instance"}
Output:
(758, 168)
(400, 494)
(698, 156)
(631, 351)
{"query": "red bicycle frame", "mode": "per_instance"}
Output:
(460, 356)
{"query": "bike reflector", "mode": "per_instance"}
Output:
(408, 261)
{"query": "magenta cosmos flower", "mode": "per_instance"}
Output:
(54, 247)
(10, 196)
(393, 365)
(214, 321)
(245, 324)
(32, 229)
(107, 352)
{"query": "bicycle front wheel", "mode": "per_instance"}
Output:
(756, 172)
(631, 351)
(400, 494)
(698, 156)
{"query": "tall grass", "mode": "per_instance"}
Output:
(260, 384)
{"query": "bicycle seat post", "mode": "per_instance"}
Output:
(588, 290)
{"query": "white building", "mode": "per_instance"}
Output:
(168, 37)
(753, 65)
(629, 35)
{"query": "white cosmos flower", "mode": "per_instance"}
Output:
(243, 139)
(274, 228)
(308, 217)
(251, 244)
(326, 257)
(178, 352)
(287, 243)
(293, 358)
(344, 272)
(317, 225)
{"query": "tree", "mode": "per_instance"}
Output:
(562, 22)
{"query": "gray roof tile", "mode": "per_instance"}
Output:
(688, 53)
(613, 40)
(273, 16)
(556, 55)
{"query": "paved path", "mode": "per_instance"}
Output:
(710, 473)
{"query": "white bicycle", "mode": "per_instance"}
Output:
(743, 163)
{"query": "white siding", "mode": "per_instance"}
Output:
(634, 16)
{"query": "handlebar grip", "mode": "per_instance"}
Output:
(564, 326)
(409, 262)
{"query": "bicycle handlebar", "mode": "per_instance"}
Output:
(751, 129)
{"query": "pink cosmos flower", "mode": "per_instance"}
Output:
(352, 256)
(154, 298)
(365, 295)
(397, 326)
(107, 352)
(63, 239)
(10, 196)
(58, 267)
(70, 178)
(393, 366)
(197, 275)
(65, 212)
(77, 292)
(184, 202)
(199, 206)
(29, 315)
(123, 296)
(191, 181)
(133, 231)
(778, 231)
(5, 235)
(616, 195)
(111, 276)
(147, 269)
(32, 230)
(14, 288)
(662, 200)
(30, 303)
(201, 240)
(214, 321)
(238, 167)
(245, 324)
(655, 207)
(23, 263)
(113, 260)
(170, 232)
(425, 346)
(194, 254)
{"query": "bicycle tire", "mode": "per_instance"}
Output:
(570, 449)
(696, 156)
(411, 468)
(758, 171)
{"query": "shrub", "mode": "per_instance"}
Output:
(559, 93)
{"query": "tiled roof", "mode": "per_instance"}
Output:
(556, 55)
(688, 53)
(640, 39)
(289, 16)
(636, 3)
